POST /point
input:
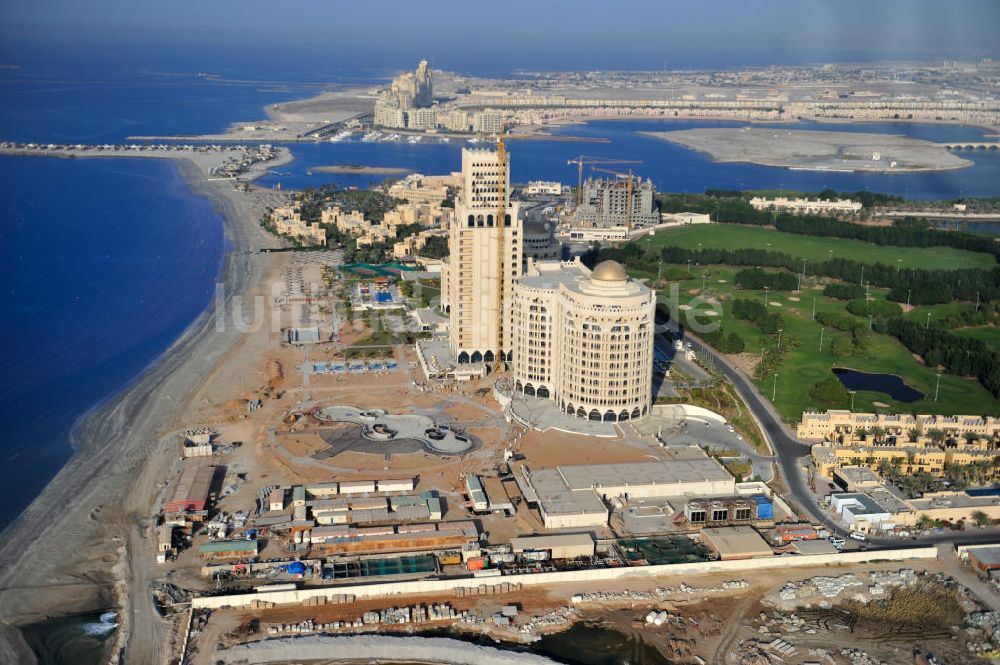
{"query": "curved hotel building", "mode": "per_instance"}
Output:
(584, 339)
(579, 337)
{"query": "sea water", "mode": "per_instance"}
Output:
(105, 262)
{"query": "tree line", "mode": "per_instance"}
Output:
(919, 286)
(730, 207)
(959, 355)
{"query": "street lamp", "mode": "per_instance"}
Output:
(928, 326)
(937, 387)
(852, 399)
(780, 330)
(908, 292)
(774, 391)
(767, 289)
(821, 331)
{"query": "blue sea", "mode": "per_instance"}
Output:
(107, 261)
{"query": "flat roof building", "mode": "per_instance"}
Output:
(573, 495)
(562, 545)
(857, 478)
(192, 490)
(228, 549)
(736, 542)
(497, 496)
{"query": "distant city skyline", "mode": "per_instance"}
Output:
(643, 34)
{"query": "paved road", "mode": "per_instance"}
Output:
(789, 452)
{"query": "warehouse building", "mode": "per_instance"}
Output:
(984, 558)
(228, 549)
(574, 496)
(192, 490)
(736, 542)
(496, 495)
(559, 546)
(477, 494)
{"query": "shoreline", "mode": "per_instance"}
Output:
(714, 153)
(82, 505)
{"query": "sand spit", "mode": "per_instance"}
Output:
(817, 150)
(69, 550)
(375, 648)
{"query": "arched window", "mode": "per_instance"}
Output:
(488, 357)
(518, 387)
(543, 392)
(580, 413)
(477, 357)
(635, 413)
(472, 221)
(595, 415)
(529, 390)
(463, 358)
(609, 417)
(623, 416)
(489, 220)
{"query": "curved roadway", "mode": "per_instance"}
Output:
(788, 451)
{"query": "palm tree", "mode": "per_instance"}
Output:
(878, 433)
(980, 518)
(914, 434)
(924, 522)
(936, 435)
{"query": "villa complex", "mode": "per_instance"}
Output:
(807, 206)
(287, 221)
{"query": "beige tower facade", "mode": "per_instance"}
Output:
(485, 246)
(584, 339)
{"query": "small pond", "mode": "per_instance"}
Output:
(890, 384)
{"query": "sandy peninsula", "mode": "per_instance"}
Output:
(98, 505)
(816, 150)
(359, 169)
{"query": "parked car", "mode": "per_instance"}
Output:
(857, 535)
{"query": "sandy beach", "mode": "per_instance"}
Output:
(98, 506)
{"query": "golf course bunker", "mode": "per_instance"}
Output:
(399, 433)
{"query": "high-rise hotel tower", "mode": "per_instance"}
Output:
(485, 244)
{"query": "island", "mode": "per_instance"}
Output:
(360, 169)
(803, 150)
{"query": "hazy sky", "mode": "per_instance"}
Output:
(648, 31)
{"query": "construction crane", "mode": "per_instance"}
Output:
(628, 201)
(592, 161)
(501, 216)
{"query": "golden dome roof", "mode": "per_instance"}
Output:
(609, 271)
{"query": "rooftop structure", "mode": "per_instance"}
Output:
(736, 542)
(853, 478)
(562, 545)
(573, 496)
(192, 490)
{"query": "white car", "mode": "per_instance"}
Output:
(857, 535)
